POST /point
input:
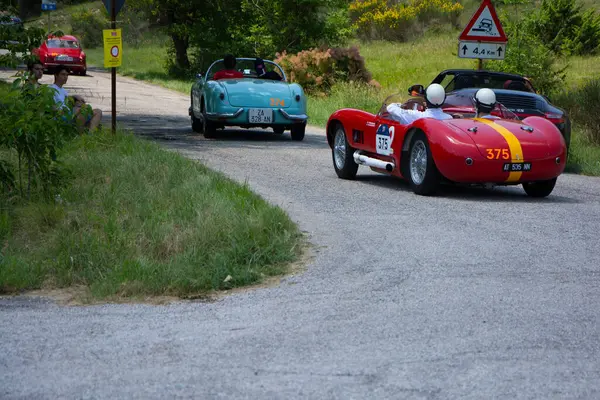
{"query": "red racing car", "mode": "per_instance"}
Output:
(65, 50)
(506, 151)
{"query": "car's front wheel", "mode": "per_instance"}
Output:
(540, 188)
(342, 153)
(422, 172)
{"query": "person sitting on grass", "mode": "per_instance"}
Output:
(36, 71)
(73, 107)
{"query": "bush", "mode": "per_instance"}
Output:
(317, 70)
(527, 55)
(560, 25)
(582, 104)
(378, 19)
(87, 25)
(586, 36)
(31, 133)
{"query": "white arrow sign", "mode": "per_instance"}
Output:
(481, 50)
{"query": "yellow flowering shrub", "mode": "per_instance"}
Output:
(395, 20)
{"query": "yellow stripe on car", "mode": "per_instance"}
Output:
(516, 152)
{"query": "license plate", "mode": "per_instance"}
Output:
(260, 115)
(516, 167)
(64, 58)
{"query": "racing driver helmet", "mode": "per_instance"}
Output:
(485, 100)
(435, 95)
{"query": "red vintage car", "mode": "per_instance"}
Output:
(464, 150)
(65, 50)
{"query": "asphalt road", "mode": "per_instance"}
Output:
(472, 294)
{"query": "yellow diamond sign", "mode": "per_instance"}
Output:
(113, 48)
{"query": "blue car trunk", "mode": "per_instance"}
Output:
(257, 93)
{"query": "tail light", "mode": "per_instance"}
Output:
(555, 118)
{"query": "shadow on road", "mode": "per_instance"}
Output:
(178, 128)
(466, 192)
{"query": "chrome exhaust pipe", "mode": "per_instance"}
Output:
(373, 162)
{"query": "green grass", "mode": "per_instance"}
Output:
(137, 220)
(584, 157)
(581, 69)
(145, 63)
(396, 66)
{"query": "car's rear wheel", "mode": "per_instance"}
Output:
(196, 123)
(342, 153)
(540, 188)
(422, 172)
(297, 131)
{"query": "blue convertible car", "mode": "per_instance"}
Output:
(262, 97)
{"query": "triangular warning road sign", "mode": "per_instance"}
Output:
(484, 26)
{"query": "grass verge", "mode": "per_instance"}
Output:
(144, 63)
(584, 157)
(136, 220)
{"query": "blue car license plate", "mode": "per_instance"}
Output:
(260, 115)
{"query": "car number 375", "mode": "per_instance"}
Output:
(383, 143)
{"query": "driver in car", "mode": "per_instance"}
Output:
(229, 72)
(435, 95)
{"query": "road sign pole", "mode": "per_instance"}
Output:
(113, 71)
(480, 64)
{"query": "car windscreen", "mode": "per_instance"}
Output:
(62, 44)
(466, 80)
(246, 67)
(466, 101)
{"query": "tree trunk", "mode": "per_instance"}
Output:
(30, 8)
(181, 45)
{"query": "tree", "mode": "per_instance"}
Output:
(187, 19)
(30, 8)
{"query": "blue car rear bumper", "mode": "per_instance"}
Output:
(239, 117)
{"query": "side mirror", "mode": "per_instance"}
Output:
(416, 90)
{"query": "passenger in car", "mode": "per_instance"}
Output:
(485, 101)
(261, 71)
(515, 85)
(229, 72)
(435, 95)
